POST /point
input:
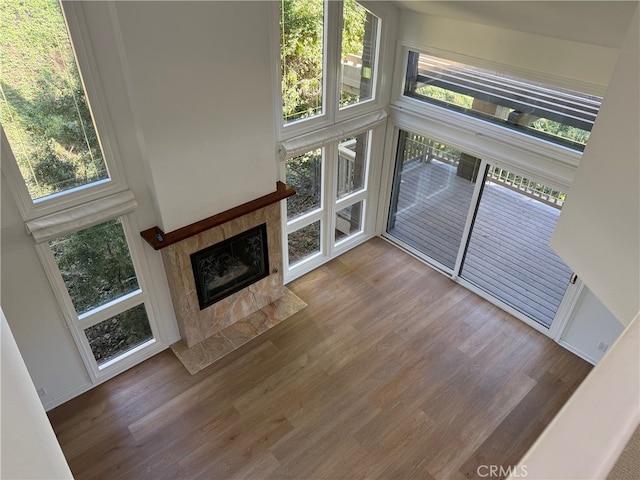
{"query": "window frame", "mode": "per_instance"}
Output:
(332, 113)
(90, 79)
(342, 112)
(98, 202)
(78, 323)
(330, 203)
(498, 154)
(484, 131)
(511, 101)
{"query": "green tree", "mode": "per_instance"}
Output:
(43, 108)
(301, 43)
(95, 265)
(301, 51)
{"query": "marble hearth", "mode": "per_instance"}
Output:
(210, 333)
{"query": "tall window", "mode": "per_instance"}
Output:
(305, 218)
(104, 293)
(43, 106)
(313, 84)
(329, 55)
(302, 58)
(359, 50)
(63, 182)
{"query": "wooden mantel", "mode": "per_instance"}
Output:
(159, 240)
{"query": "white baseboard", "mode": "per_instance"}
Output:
(577, 352)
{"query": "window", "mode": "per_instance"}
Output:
(302, 58)
(44, 108)
(305, 216)
(329, 211)
(64, 178)
(359, 49)
(559, 115)
(45, 112)
(314, 84)
(94, 271)
(329, 52)
(304, 173)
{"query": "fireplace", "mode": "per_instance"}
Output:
(225, 273)
(231, 265)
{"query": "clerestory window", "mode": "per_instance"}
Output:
(555, 114)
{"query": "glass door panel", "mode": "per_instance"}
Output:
(304, 173)
(348, 221)
(304, 243)
(432, 192)
(352, 165)
(508, 253)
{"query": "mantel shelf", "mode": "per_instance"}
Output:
(159, 240)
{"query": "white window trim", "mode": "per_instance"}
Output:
(533, 75)
(30, 209)
(368, 195)
(78, 323)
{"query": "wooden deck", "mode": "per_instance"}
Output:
(508, 253)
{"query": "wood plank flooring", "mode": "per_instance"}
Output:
(508, 254)
(392, 371)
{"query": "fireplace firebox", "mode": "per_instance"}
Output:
(230, 265)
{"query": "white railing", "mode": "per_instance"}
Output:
(418, 147)
(530, 188)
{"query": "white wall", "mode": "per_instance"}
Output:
(598, 233)
(30, 449)
(33, 313)
(599, 237)
(558, 61)
(202, 81)
(590, 323)
(586, 437)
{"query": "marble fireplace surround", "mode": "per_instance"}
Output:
(214, 331)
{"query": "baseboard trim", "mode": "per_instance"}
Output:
(577, 352)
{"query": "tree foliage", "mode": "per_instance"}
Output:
(301, 48)
(304, 173)
(95, 265)
(115, 336)
(301, 45)
(43, 107)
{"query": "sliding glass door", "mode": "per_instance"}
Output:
(486, 225)
(432, 194)
(508, 253)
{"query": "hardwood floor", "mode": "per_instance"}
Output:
(392, 371)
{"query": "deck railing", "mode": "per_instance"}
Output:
(420, 148)
(530, 188)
